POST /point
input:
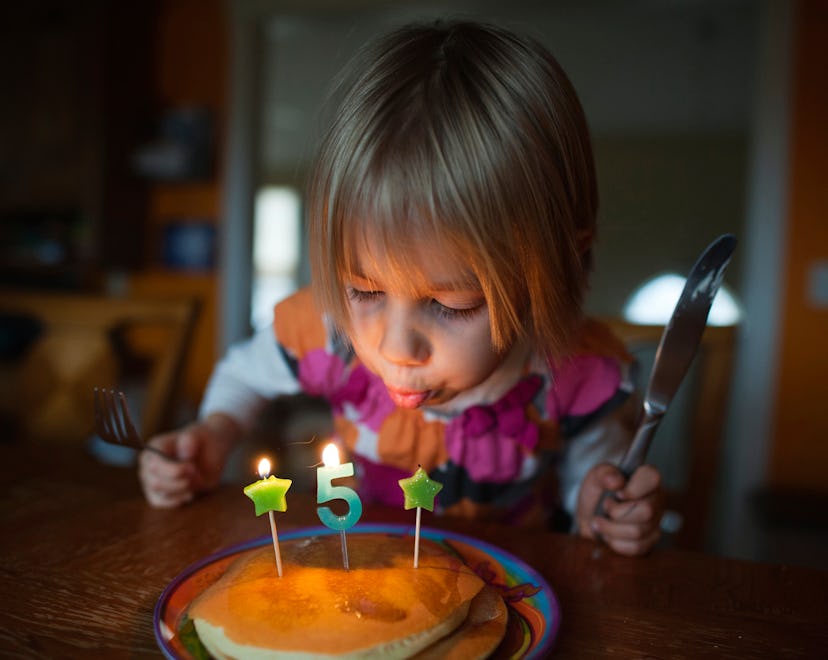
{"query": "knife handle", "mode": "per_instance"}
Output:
(640, 445)
(635, 454)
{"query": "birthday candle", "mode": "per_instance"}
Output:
(326, 492)
(268, 494)
(419, 491)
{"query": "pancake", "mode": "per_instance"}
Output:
(381, 607)
(479, 634)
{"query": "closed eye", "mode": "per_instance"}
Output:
(362, 295)
(452, 313)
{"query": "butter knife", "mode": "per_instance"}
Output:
(678, 346)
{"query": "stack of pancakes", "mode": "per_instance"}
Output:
(381, 607)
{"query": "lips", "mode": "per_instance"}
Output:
(408, 398)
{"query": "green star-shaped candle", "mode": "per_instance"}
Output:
(420, 490)
(269, 494)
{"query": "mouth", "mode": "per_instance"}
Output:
(408, 398)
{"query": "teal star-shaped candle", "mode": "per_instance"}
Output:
(420, 490)
(269, 494)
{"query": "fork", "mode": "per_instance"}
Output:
(114, 425)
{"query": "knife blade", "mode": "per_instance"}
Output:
(678, 346)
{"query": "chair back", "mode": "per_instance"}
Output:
(57, 347)
(687, 447)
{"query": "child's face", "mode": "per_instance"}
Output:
(429, 339)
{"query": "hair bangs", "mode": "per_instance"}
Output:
(396, 210)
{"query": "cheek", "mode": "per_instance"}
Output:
(362, 328)
(474, 350)
(356, 317)
(485, 358)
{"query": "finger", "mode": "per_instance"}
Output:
(166, 483)
(163, 500)
(171, 487)
(622, 530)
(610, 477)
(187, 446)
(607, 481)
(631, 511)
(165, 442)
(604, 477)
(635, 547)
(644, 481)
(163, 445)
(165, 492)
(164, 468)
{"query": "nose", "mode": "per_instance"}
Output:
(403, 342)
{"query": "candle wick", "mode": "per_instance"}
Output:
(345, 561)
(300, 442)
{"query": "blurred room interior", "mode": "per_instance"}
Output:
(160, 149)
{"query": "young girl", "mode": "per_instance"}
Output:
(452, 211)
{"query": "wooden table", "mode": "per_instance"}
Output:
(83, 561)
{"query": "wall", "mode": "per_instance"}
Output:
(799, 454)
(662, 199)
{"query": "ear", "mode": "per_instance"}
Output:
(585, 238)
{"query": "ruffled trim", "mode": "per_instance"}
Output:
(379, 483)
(491, 441)
(324, 374)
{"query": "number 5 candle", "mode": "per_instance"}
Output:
(268, 494)
(326, 492)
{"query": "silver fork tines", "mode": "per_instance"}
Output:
(113, 422)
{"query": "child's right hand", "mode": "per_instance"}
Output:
(200, 452)
(631, 526)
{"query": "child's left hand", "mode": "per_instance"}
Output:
(633, 515)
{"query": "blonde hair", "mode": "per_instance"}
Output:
(471, 136)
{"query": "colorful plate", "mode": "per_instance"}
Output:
(534, 611)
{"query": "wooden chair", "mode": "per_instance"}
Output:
(691, 432)
(78, 342)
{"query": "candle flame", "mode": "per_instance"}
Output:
(330, 455)
(264, 468)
